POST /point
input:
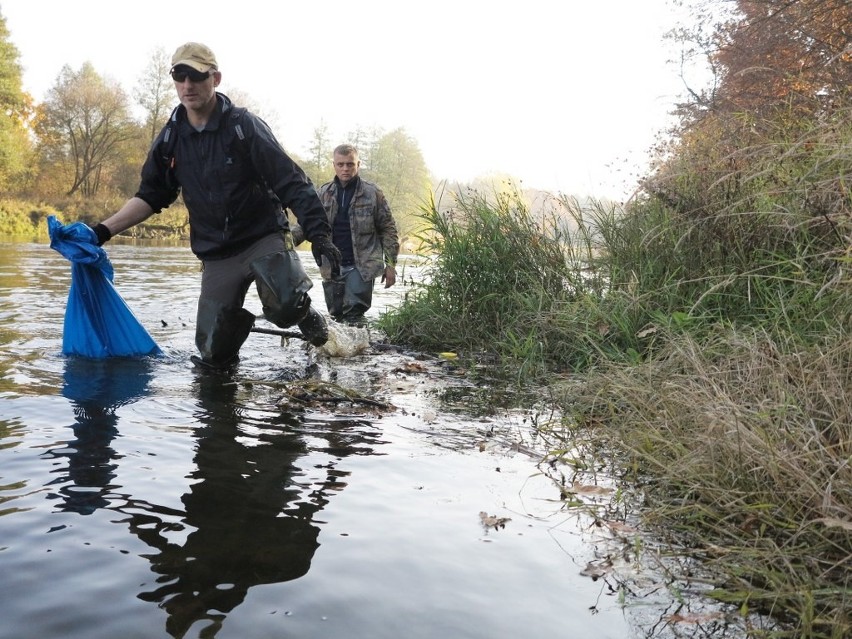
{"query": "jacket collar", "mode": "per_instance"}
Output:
(351, 185)
(223, 106)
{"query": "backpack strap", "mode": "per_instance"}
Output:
(236, 114)
(167, 145)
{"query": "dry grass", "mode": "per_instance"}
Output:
(747, 443)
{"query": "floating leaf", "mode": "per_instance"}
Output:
(592, 491)
(597, 569)
(411, 367)
(492, 521)
(620, 528)
(694, 617)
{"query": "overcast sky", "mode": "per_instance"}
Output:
(565, 95)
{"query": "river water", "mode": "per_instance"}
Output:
(143, 498)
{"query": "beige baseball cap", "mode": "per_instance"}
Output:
(195, 55)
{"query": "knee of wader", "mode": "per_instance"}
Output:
(285, 316)
(282, 286)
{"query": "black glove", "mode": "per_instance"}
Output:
(323, 247)
(103, 233)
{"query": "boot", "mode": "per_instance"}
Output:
(314, 327)
(220, 332)
(333, 290)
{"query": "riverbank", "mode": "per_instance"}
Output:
(714, 385)
(24, 220)
(740, 450)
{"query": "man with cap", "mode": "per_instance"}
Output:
(236, 181)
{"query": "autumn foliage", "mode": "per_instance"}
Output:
(794, 55)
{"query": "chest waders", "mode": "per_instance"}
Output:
(348, 296)
(282, 286)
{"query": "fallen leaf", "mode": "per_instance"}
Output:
(580, 489)
(645, 332)
(597, 569)
(411, 367)
(620, 527)
(492, 521)
(693, 617)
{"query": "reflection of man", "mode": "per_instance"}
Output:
(248, 517)
(96, 388)
(250, 514)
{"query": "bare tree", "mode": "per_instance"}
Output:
(85, 121)
(155, 92)
(318, 164)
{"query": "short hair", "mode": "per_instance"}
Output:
(345, 149)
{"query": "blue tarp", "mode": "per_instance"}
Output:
(98, 322)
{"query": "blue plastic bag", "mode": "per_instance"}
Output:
(98, 322)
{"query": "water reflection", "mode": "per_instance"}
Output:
(249, 516)
(250, 523)
(96, 388)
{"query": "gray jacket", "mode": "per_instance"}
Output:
(375, 240)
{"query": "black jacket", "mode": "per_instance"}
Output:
(233, 186)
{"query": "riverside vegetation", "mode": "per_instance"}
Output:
(696, 339)
(25, 220)
(703, 353)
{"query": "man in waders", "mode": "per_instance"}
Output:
(365, 232)
(236, 181)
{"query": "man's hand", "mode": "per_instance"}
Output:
(389, 276)
(103, 233)
(324, 248)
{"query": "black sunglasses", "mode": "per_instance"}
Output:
(192, 74)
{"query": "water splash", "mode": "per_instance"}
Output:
(345, 341)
